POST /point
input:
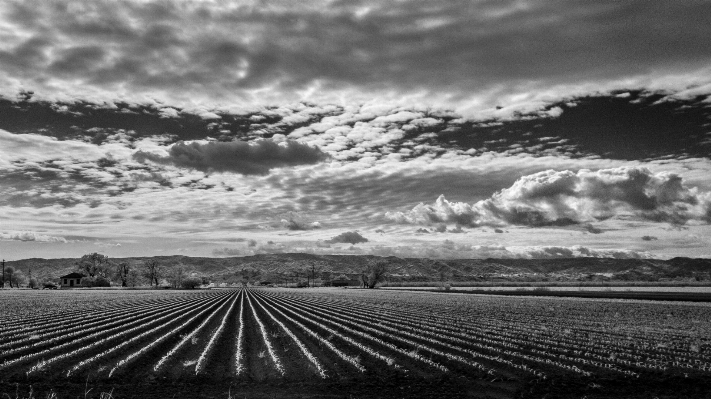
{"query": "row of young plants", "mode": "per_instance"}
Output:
(362, 330)
(79, 342)
(67, 310)
(474, 337)
(540, 332)
(40, 306)
(51, 332)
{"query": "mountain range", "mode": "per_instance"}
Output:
(299, 265)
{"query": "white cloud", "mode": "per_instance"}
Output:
(566, 197)
(30, 236)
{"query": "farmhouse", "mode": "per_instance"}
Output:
(71, 280)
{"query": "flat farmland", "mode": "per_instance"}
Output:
(350, 343)
(690, 289)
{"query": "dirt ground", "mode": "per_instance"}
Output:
(372, 386)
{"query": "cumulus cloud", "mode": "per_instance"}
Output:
(296, 221)
(349, 237)
(30, 236)
(553, 198)
(253, 158)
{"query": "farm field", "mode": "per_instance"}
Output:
(568, 288)
(344, 342)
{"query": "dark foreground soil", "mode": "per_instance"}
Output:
(403, 387)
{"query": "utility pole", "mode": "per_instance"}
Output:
(313, 275)
(3, 274)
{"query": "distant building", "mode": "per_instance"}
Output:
(71, 280)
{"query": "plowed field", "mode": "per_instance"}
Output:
(341, 343)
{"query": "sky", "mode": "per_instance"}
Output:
(457, 129)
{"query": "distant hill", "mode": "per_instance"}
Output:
(409, 269)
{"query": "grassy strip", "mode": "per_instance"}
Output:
(649, 296)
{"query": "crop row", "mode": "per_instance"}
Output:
(299, 334)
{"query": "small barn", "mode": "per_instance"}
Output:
(71, 280)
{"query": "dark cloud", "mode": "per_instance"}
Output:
(296, 221)
(349, 237)
(553, 198)
(255, 158)
(414, 45)
(649, 238)
(441, 228)
(422, 231)
(457, 230)
(592, 229)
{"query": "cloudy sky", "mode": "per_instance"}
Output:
(454, 129)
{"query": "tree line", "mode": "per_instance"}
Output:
(299, 275)
(101, 271)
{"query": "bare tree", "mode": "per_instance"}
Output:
(15, 277)
(134, 278)
(374, 272)
(177, 274)
(94, 265)
(122, 271)
(153, 271)
(9, 274)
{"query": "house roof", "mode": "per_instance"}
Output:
(73, 275)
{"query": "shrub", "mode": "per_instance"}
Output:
(102, 282)
(95, 282)
(191, 283)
